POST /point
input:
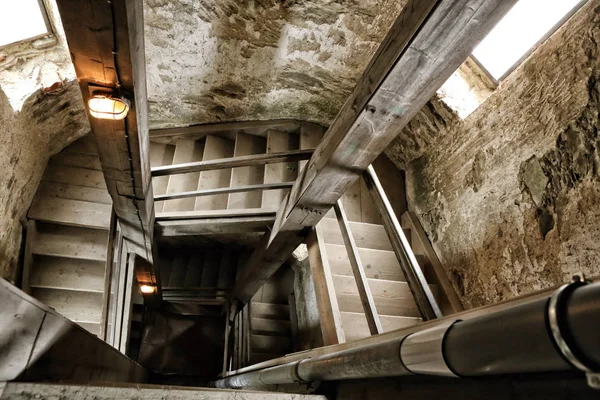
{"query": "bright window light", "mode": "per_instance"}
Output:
(527, 23)
(21, 20)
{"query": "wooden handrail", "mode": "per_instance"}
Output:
(415, 278)
(234, 162)
(366, 298)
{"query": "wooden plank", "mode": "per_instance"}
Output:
(215, 148)
(393, 183)
(160, 154)
(78, 306)
(227, 270)
(210, 226)
(329, 311)
(264, 326)
(355, 324)
(310, 137)
(226, 352)
(252, 127)
(368, 212)
(245, 145)
(193, 271)
(246, 335)
(270, 311)
(74, 176)
(425, 45)
(115, 58)
(278, 142)
(70, 242)
(378, 264)
(92, 328)
(366, 236)
(352, 202)
(108, 273)
(120, 293)
(84, 145)
(69, 158)
(110, 391)
(30, 238)
(218, 192)
(128, 304)
(185, 151)
(427, 304)
(67, 274)
(360, 278)
(70, 212)
(73, 192)
(178, 271)
(271, 344)
(250, 212)
(390, 297)
(294, 323)
(234, 162)
(449, 300)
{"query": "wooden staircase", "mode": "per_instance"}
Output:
(68, 235)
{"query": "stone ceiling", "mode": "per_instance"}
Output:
(228, 60)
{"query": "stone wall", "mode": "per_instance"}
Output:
(510, 196)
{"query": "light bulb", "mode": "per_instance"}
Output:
(147, 289)
(104, 106)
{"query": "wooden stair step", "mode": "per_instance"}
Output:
(246, 144)
(366, 236)
(270, 344)
(356, 327)
(378, 264)
(67, 274)
(391, 297)
(277, 142)
(262, 326)
(69, 158)
(270, 311)
(212, 265)
(74, 176)
(185, 151)
(214, 148)
(70, 212)
(70, 242)
(77, 306)
(160, 154)
(74, 192)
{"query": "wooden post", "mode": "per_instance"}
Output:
(108, 271)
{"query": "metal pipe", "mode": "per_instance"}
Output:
(513, 340)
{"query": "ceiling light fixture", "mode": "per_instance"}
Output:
(147, 289)
(106, 106)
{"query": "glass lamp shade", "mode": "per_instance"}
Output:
(106, 107)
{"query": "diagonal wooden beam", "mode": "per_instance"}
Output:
(106, 42)
(426, 44)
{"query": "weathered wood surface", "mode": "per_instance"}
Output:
(247, 176)
(415, 278)
(106, 42)
(23, 391)
(50, 347)
(225, 190)
(329, 311)
(234, 162)
(70, 242)
(360, 278)
(426, 44)
(210, 226)
(249, 212)
(185, 151)
(215, 148)
(70, 212)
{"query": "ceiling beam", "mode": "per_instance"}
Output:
(106, 42)
(425, 45)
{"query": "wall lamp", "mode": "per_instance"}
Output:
(105, 104)
(147, 289)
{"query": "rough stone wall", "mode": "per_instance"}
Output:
(218, 60)
(510, 196)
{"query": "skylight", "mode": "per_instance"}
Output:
(21, 20)
(525, 25)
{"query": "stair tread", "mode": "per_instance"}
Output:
(74, 192)
(70, 212)
(185, 151)
(378, 264)
(246, 144)
(271, 326)
(391, 297)
(278, 141)
(160, 154)
(70, 242)
(356, 327)
(269, 311)
(74, 176)
(67, 274)
(270, 343)
(83, 307)
(69, 158)
(215, 148)
(367, 236)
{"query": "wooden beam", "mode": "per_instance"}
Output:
(106, 41)
(225, 190)
(196, 215)
(364, 292)
(234, 162)
(426, 44)
(426, 303)
(108, 271)
(214, 226)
